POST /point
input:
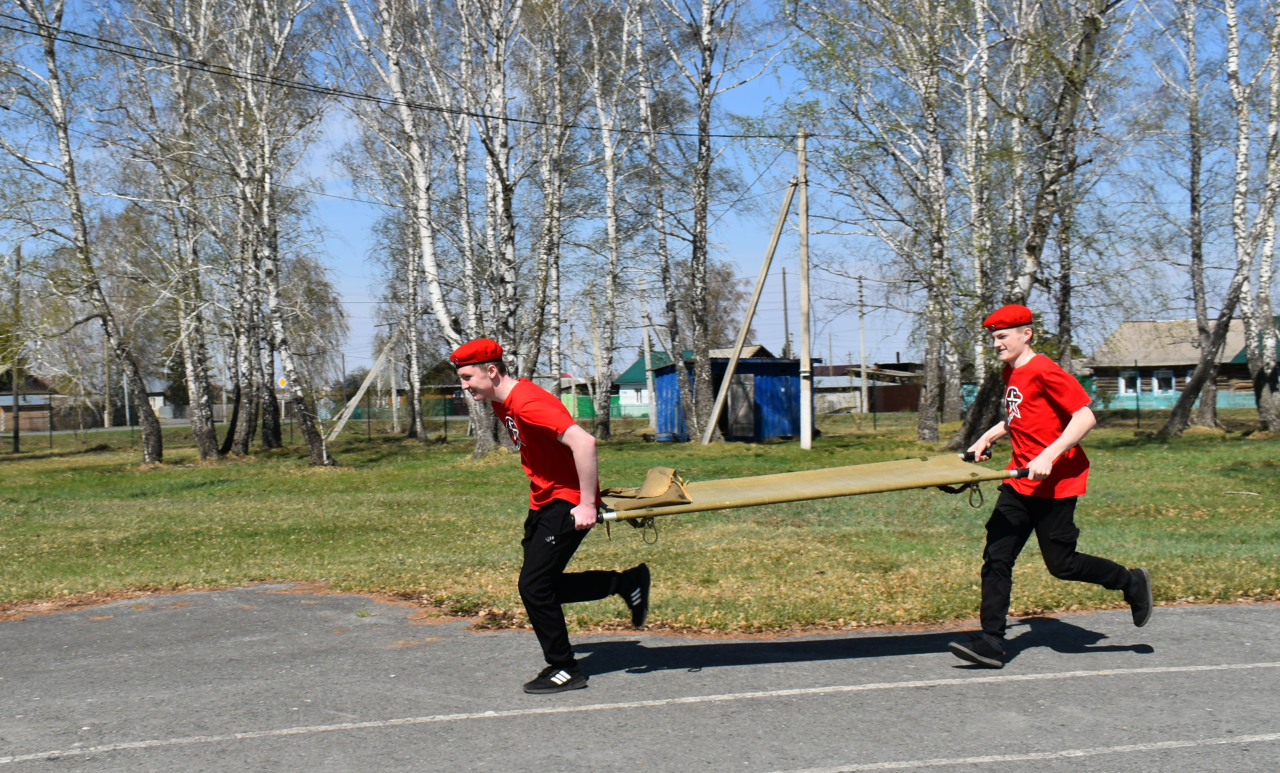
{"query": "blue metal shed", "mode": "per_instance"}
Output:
(763, 401)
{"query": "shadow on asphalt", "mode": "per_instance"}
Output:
(635, 658)
(1067, 639)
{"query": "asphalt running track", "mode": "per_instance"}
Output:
(259, 679)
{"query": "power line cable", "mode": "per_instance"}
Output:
(743, 197)
(325, 194)
(162, 58)
(129, 51)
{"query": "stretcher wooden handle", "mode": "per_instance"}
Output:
(1020, 472)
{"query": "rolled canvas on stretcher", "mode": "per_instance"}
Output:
(948, 470)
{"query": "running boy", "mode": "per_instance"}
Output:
(560, 459)
(1047, 415)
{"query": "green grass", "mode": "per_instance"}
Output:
(430, 524)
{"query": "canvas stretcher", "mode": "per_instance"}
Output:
(945, 471)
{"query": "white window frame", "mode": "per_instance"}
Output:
(1125, 375)
(1163, 373)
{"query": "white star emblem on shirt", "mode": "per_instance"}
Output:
(514, 431)
(1012, 399)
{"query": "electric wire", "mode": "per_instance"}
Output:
(117, 48)
(139, 53)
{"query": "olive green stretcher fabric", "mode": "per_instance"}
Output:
(661, 487)
(948, 470)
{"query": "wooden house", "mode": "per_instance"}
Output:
(1146, 364)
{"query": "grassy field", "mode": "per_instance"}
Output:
(431, 525)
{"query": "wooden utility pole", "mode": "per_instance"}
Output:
(862, 346)
(395, 398)
(786, 319)
(106, 373)
(806, 361)
(648, 382)
(14, 375)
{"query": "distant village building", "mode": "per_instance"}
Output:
(632, 386)
(35, 402)
(891, 388)
(1147, 363)
(763, 401)
(836, 388)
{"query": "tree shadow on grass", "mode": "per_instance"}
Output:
(635, 657)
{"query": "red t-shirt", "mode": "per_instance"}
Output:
(1039, 398)
(535, 419)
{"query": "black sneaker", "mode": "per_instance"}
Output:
(556, 679)
(634, 589)
(1139, 596)
(980, 649)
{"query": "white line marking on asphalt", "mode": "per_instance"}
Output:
(1036, 756)
(685, 701)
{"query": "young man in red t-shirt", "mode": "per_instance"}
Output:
(1047, 415)
(560, 459)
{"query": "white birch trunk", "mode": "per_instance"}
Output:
(608, 79)
(1206, 415)
(935, 205)
(48, 17)
(385, 58)
(978, 176)
(1255, 307)
(673, 342)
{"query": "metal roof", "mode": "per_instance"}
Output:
(657, 359)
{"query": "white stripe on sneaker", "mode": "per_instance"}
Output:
(561, 676)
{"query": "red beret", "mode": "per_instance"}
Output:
(479, 350)
(1012, 315)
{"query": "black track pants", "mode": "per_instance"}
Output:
(1053, 521)
(549, 543)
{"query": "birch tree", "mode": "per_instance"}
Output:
(658, 110)
(1082, 28)
(1255, 295)
(270, 123)
(1260, 330)
(1252, 206)
(414, 56)
(158, 122)
(41, 85)
(714, 46)
(895, 58)
(490, 37)
(610, 70)
(1186, 141)
(977, 174)
(396, 41)
(557, 91)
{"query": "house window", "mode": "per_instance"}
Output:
(1130, 382)
(633, 397)
(1164, 383)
